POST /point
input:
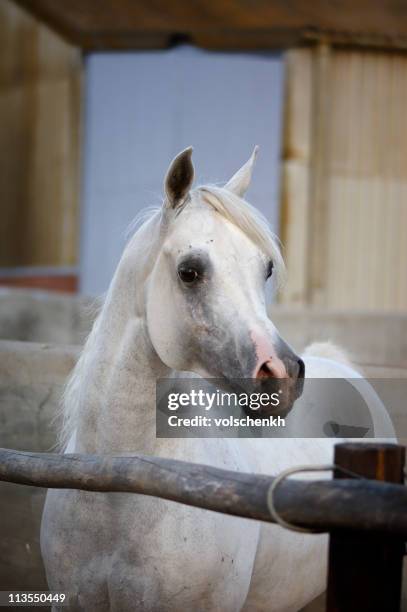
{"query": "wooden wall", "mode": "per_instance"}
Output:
(40, 78)
(345, 179)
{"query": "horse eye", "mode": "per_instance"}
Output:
(270, 267)
(188, 275)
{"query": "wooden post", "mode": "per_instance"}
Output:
(364, 573)
(319, 180)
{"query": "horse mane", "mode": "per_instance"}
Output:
(228, 205)
(67, 414)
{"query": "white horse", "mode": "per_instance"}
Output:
(188, 295)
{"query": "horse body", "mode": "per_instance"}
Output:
(127, 552)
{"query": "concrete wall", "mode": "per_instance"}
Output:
(38, 316)
(31, 380)
(375, 341)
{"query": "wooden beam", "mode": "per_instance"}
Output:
(214, 24)
(296, 174)
(361, 505)
(317, 247)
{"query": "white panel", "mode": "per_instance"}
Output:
(142, 108)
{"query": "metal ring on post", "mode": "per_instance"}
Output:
(296, 470)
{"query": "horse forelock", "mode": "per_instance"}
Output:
(248, 219)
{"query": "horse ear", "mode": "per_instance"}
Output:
(180, 176)
(239, 183)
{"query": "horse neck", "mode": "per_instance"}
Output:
(117, 396)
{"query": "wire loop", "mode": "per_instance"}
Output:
(296, 470)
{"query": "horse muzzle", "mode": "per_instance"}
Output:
(278, 370)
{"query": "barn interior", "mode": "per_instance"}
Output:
(97, 97)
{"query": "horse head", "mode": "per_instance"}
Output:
(205, 296)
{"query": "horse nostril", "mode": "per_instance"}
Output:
(265, 371)
(269, 369)
(295, 369)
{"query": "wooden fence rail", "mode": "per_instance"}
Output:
(327, 505)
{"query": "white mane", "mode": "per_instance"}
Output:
(233, 208)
